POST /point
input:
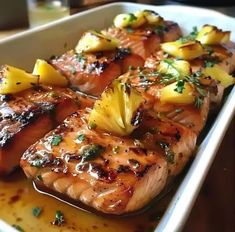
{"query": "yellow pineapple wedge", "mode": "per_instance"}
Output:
(169, 95)
(92, 41)
(178, 68)
(116, 110)
(211, 35)
(186, 51)
(48, 75)
(217, 73)
(14, 80)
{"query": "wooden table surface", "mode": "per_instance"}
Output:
(214, 209)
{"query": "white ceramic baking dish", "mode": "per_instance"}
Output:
(55, 38)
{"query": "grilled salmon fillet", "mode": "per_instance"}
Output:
(145, 40)
(92, 72)
(111, 174)
(149, 83)
(29, 115)
(222, 55)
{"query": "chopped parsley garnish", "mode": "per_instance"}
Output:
(36, 211)
(198, 101)
(170, 155)
(194, 79)
(179, 86)
(37, 163)
(129, 30)
(210, 63)
(192, 36)
(81, 137)
(159, 30)
(209, 49)
(92, 151)
(17, 227)
(132, 17)
(56, 140)
(59, 219)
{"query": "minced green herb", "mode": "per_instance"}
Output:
(180, 86)
(92, 151)
(36, 211)
(59, 218)
(37, 163)
(132, 17)
(56, 140)
(81, 137)
(192, 36)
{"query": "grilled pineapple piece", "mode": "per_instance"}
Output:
(14, 80)
(92, 41)
(152, 17)
(186, 51)
(48, 75)
(139, 21)
(211, 35)
(178, 68)
(217, 73)
(168, 94)
(116, 110)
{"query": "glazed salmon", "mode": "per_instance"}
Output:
(149, 83)
(112, 174)
(28, 116)
(145, 40)
(91, 73)
(222, 55)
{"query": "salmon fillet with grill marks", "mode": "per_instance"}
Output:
(111, 174)
(222, 55)
(145, 40)
(92, 72)
(149, 83)
(28, 116)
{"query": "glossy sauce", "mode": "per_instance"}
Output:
(18, 198)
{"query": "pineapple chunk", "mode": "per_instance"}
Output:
(48, 75)
(152, 17)
(169, 95)
(178, 68)
(217, 73)
(92, 41)
(139, 21)
(211, 35)
(187, 51)
(115, 111)
(14, 80)
(123, 20)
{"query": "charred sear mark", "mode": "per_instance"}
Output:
(71, 157)
(123, 169)
(170, 155)
(46, 160)
(108, 176)
(177, 135)
(138, 150)
(121, 54)
(97, 66)
(144, 171)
